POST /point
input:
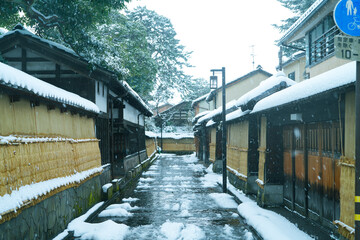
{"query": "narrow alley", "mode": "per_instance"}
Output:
(174, 199)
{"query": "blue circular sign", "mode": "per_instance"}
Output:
(347, 16)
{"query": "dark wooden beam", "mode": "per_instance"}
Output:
(23, 60)
(34, 103)
(14, 98)
(33, 59)
(57, 72)
(50, 107)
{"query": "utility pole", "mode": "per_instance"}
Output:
(223, 136)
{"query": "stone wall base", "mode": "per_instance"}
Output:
(270, 195)
(217, 166)
(52, 215)
(248, 187)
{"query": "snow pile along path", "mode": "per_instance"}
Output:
(106, 230)
(270, 225)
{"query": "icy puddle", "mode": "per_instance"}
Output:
(176, 200)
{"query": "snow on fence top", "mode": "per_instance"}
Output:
(17, 79)
(335, 78)
(170, 135)
(21, 196)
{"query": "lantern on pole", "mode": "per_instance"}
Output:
(213, 82)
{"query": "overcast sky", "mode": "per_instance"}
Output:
(220, 33)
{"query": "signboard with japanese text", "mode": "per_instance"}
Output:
(347, 16)
(347, 48)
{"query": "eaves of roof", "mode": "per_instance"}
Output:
(63, 55)
(302, 20)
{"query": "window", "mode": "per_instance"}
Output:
(103, 90)
(98, 87)
(291, 76)
(320, 40)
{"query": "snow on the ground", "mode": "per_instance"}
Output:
(15, 78)
(174, 230)
(190, 158)
(196, 167)
(130, 199)
(82, 218)
(142, 180)
(96, 231)
(270, 225)
(118, 210)
(109, 230)
(15, 200)
(223, 200)
(176, 178)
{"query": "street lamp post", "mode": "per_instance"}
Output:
(223, 117)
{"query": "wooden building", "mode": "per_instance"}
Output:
(325, 146)
(48, 148)
(304, 133)
(237, 87)
(209, 137)
(120, 124)
(309, 144)
(200, 105)
(179, 115)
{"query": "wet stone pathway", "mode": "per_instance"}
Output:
(176, 199)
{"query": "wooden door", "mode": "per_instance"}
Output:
(289, 177)
(294, 159)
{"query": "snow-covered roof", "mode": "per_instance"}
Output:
(136, 96)
(335, 78)
(312, 9)
(265, 88)
(236, 114)
(199, 115)
(229, 106)
(210, 95)
(20, 29)
(14, 78)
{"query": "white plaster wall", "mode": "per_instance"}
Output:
(131, 114)
(100, 100)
